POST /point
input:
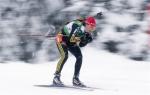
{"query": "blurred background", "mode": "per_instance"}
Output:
(123, 29)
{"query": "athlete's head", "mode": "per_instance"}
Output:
(90, 24)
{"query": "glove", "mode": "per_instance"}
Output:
(83, 43)
(88, 37)
(85, 39)
(59, 38)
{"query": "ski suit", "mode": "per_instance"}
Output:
(71, 38)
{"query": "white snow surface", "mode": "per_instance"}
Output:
(111, 73)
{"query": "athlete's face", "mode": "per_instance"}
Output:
(90, 28)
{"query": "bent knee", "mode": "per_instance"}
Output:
(79, 57)
(65, 56)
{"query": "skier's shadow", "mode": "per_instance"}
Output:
(65, 87)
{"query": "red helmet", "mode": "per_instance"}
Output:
(90, 20)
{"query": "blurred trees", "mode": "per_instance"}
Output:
(122, 22)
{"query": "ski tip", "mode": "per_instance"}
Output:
(42, 85)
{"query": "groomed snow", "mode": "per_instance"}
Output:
(113, 74)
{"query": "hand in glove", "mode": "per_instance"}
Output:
(85, 39)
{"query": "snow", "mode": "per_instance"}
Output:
(113, 74)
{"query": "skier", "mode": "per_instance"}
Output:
(73, 35)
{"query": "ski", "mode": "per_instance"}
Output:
(87, 88)
(73, 87)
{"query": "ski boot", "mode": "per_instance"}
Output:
(77, 82)
(57, 81)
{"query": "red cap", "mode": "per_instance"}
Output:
(90, 20)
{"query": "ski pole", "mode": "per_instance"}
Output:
(36, 35)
